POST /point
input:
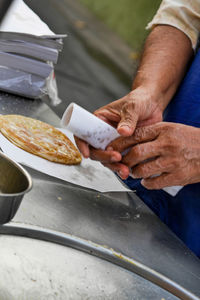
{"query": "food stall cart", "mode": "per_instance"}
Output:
(71, 242)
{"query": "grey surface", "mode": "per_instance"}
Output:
(73, 275)
(118, 221)
(10, 104)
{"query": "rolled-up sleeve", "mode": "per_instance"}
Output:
(182, 14)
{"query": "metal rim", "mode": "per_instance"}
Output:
(108, 254)
(26, 174)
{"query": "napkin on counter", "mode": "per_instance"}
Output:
(89, 174)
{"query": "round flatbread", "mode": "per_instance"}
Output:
(39, 138)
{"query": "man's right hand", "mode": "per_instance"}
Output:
(138, 108)
(160, 73)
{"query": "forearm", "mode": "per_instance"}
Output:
(166, 55)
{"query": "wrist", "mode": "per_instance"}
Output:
(163, 67)
(152, 95)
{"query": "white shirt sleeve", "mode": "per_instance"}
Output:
(182, 14)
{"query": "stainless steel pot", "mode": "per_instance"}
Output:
(14, 183)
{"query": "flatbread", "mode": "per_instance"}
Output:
(39, 138)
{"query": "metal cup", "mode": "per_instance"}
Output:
(14, 183)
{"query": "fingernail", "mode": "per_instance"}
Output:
(124, 130)
(134, 176)
(144, 184)
(121, 174)
(110, 148)
(114, 159)
(124, 126)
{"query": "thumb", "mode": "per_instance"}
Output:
(129, 119)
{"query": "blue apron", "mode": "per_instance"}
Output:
(182, 212)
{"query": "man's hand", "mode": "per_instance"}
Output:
(160, 73)
(138, 108)
(169, 151)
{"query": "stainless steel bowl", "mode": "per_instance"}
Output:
(14, 183)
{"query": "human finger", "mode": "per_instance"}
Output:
(151, 168)
(110, 113)
(161, 181)
(107, 115)
(83, 147)
(121, 144)
(105, 156)
(129, 118)
(119, 168)
(141, 153)
(141, 135)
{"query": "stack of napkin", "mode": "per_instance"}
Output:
(28, 52)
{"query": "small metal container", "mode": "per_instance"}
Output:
(14, 183)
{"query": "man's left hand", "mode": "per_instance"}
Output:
(164, 154)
